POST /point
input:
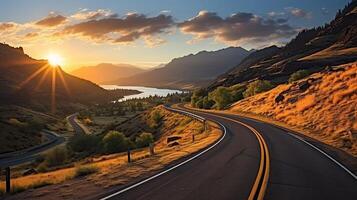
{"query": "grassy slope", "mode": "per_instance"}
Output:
(325, 111)
(14, 131)
(114, 169)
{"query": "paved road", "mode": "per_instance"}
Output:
(229, 170)
(32, 153)
(77, 128)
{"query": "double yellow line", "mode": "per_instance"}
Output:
(261, 181)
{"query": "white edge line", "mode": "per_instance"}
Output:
(170, 169)
(328, 156)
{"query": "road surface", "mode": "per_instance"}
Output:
(76, 127)
(230, 169)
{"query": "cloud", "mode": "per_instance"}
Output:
(324, 11)
(276, 14)
(31, 35)
(298, 12)
(6, 26)
(121, 30)
(84, 14)
(238, 28)
(51, 20)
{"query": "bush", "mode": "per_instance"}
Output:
(144, 140)
(298, 75)
(207, 103)
(56, 157)
(256, 87)
(114, 142)
(85, 170)
(42, 167)
(83, 143)
(17, 123)
(199, 103)
(155, 118)
(221, 96)
(196, 96)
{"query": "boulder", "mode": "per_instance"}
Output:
(279, 98)
(172, 144)
(172, 138)
(29, 171)
(304, 85)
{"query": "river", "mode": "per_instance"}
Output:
(145, 91)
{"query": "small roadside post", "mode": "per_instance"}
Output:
(151, 148)
(129, 159)
(8, 183)
(205, 125)
(193, 137)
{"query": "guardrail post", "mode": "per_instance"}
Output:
(151, 148)
(129, 159)
(8, 179)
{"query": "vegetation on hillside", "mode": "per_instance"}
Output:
(323, 104)
(222, 97)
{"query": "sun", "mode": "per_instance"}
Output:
(55, 60)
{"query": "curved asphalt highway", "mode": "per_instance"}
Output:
(76, 127)
(229, 170)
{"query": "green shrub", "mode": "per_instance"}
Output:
(17, 123)
(207, 103)
(42, 167)
(199, 103)
(298, 75)
(256, 87)
(144, 140)
(114, 142)
(56, 157)
(83, 143)
(85, 170)
(196, 96)
(221, 96)
(155, 119)
(156, 116)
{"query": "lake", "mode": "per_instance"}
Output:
(145, 91)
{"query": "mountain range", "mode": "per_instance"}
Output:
(106, 72)
(188, 72)
(34, 83)
(312, 49)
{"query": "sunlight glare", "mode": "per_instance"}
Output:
(55, 60)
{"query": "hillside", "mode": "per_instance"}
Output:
(20, 127)
(323, 104)
(106, 72)
(190, 71)
(312, 49)
(28, 82)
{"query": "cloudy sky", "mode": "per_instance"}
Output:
(147, 33)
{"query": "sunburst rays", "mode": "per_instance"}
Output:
(44, 71)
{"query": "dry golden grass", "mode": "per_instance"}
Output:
(325, 111)
(113, 170)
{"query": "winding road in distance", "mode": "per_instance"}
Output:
(30, 154)
(240, 167)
